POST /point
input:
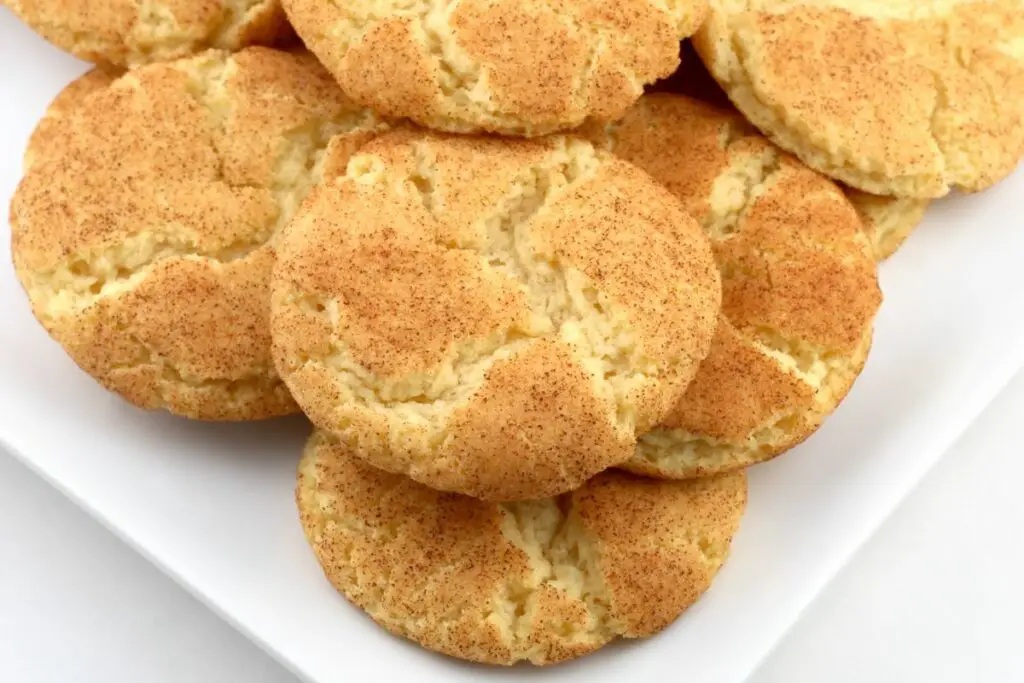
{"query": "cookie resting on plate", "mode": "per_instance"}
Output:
(907, 98)
(493, 316)
(540, 581)
(799, 287)
(143, 231)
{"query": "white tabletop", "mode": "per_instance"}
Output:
(934, 596)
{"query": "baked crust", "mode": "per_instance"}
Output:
(517, 67)
(495, 317)
(129, 33)
(143, 229)
(541, 581)
(799, 287)
(888, 221)
(892, 98)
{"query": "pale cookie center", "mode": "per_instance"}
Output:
(564, 555)
(563, 303)
(462, 79)
(156, 35)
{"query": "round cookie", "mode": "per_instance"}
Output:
(143, 229)
(540, 581)
(888, 221)
(799, 287)
(129, 33)
(516, 67)
(892, 98)
(496, 317)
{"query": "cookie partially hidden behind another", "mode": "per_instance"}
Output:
(517, 67)
(540, 581)
(128, 33)
(906, 98)
(799, 287)
(143, 229)
(496, 317)
(888, 221)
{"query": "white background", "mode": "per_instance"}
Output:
(935, 596)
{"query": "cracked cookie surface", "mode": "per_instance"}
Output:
(907, 98)
(799, 287)
(540, 581)
(888, 221)
(129, 33)
(496, 317)
(143, 229)
(517, 67)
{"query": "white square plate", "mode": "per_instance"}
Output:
(212, 505)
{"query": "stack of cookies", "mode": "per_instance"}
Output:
(543, 292)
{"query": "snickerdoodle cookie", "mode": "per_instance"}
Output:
(496, 317)
(518, 67)
(906, 98)
(799, 287)
(143, 229)
(888, 221)
(540, 581)
(129, 33)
